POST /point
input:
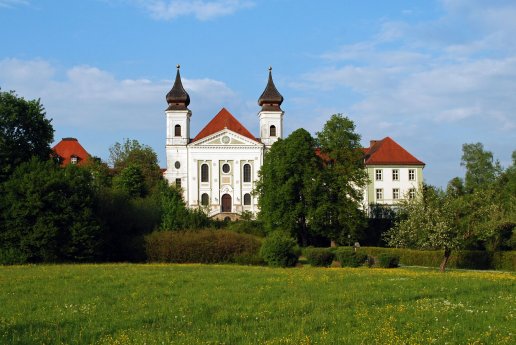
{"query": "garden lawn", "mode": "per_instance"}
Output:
(227, 304)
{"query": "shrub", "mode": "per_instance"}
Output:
(321, 257)
(12, 256)
(388, 260)
(202, 246)
(504, 261)
(279, 250)
(349, 258)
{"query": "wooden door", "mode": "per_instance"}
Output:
(226, 203)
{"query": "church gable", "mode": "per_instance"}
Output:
(224, 120)
(225, 137)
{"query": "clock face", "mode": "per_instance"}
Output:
(177, 165)
(225, 139)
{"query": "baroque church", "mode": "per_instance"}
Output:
(218, 168)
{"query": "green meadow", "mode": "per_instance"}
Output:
(229, 304)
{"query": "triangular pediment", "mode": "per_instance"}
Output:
(225, 137)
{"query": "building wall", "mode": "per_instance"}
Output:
(219, 183)
(387, 184)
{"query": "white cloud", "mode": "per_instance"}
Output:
(200, 9)
(13, 3)
(100, 109)
(433, 85)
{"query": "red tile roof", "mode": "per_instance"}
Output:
(388, 152)
(68, 148)
(222, 120)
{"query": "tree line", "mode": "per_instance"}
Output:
(78, 213)
(309, 188)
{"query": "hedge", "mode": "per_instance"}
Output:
(202, 246)
(349, 258)
(320, 257)
(472, 259)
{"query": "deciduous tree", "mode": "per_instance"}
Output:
(143, 157)
(47, 213)
(338, 211)
(287, 184)
(24, 132)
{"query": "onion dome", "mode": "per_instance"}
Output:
(177, 97)
(270, 99)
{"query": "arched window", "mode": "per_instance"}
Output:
(272, 131)
(247, 199)
(177, 130)
(205, 173)
(247, 173)
(205, 199)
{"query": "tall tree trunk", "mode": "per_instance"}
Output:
(447, 253)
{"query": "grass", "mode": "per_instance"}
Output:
(227, 304)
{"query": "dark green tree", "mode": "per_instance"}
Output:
(338, 211)
(132, 153)
(130, 180)
(24, 132)
(288, 182)
(47, 213)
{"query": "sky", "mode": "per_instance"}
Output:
(432, 75)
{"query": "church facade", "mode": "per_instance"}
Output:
(218, 169)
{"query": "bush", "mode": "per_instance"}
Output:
(321, 257)
(279, 250)
(202, 246)
(349, 258)
(12, 256)
(504, 261)
(388, 260)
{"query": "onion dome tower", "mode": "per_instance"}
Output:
(177, 97)
(178, 133)
(271, 115)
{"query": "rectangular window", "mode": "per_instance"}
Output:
(412, 193)
(412, 174)
(178, 182)
(396, 193)
(378, 174)
(395, 175)
(379, 194)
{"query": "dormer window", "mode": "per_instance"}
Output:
(74, 160)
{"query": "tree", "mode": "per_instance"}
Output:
(24, 132)
(338, 212)
(287, 184)
(130, 180)
(47, 213)
(132, 153)
(427, 222)
(484, 204)
(481, 169)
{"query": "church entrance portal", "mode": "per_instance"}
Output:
(226, 203)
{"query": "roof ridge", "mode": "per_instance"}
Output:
(223, 119)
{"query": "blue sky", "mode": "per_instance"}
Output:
(430, 74)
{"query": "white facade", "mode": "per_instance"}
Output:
(389, 184)
(232, 162)
(218, 169)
